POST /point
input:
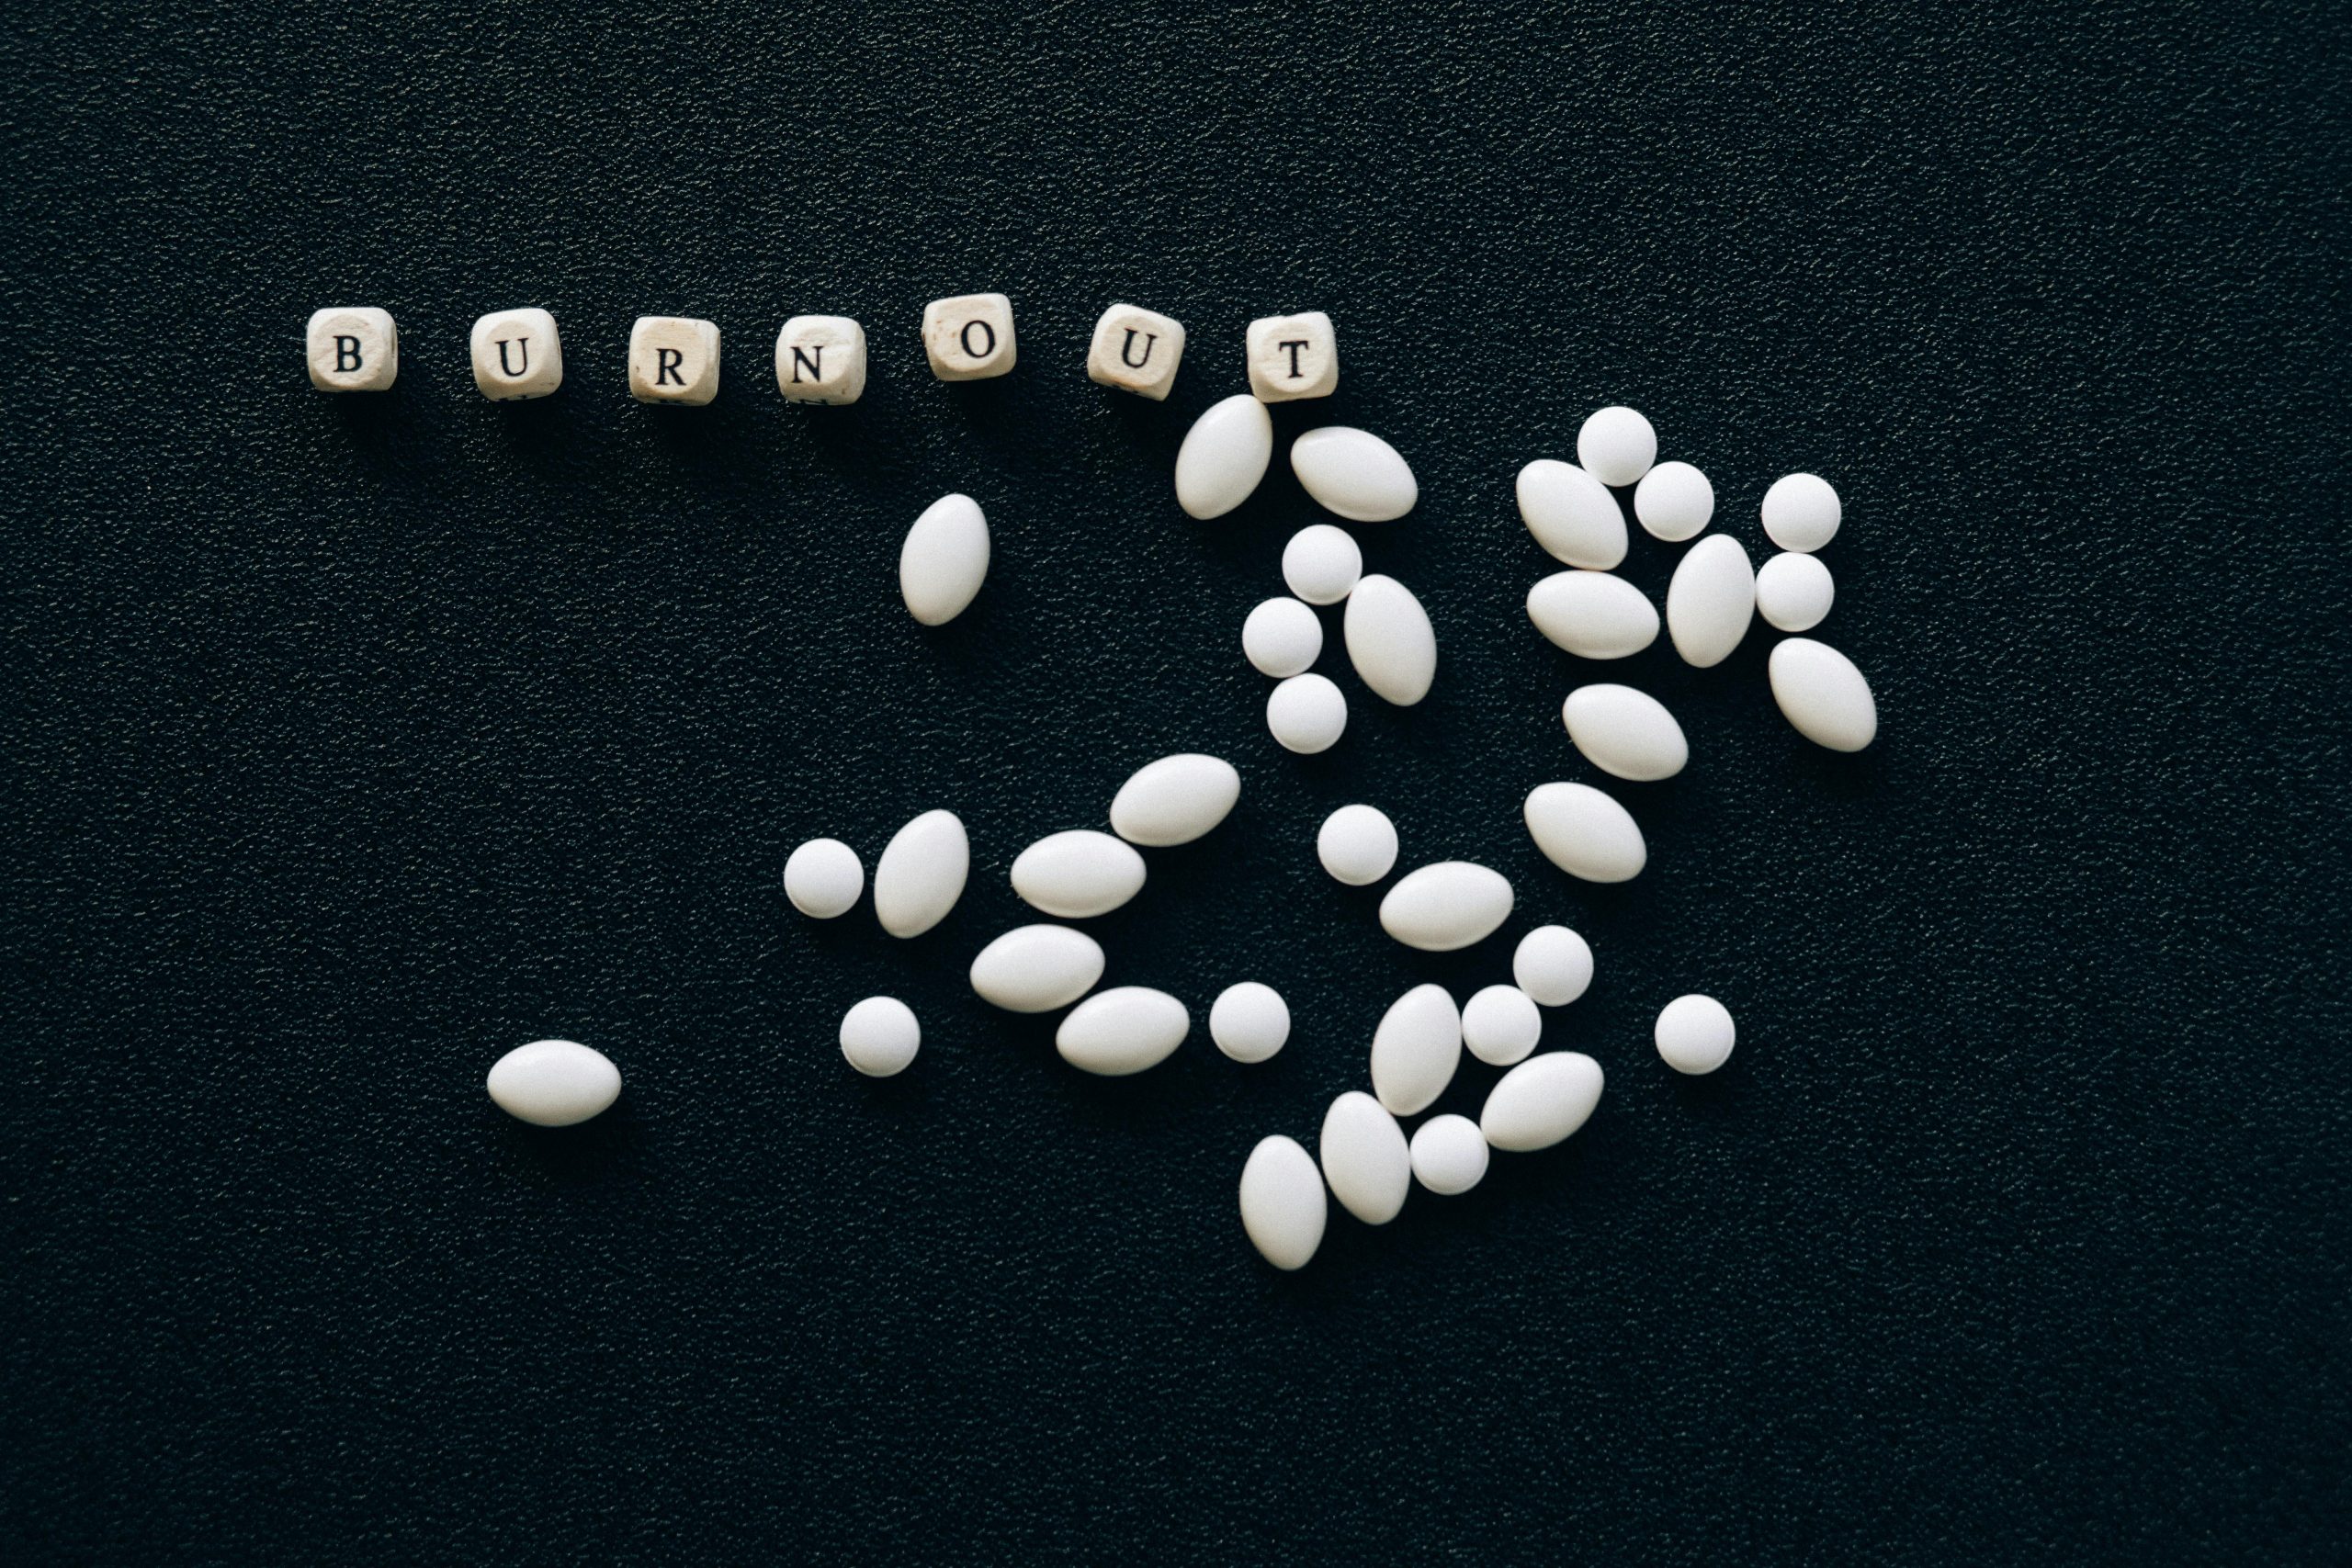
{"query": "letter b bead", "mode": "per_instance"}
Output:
(517, 355)
(357, 350)
(673, 359)
(970, 338)
(1136, 350)
(1292, 356)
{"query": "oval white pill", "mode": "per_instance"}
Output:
(1174, 800)
(1450, 904)
(1448, 1155)
(1794, 591)
(1541, 1101)
(1585, 833)
(1282, 1207)
(1078, 874)
(1709, 601)
(1321, 564)
(1415, 1050)
(1823, 695)
(1122, 1031)
(1036, 968)
(1571, 513)
(1364, 1158)
(1674, 502)
(1592, 615)
(1224, 456)
(554, 1083)
(1616, 445)
(1695, 1034)
(1625, 732)
(1553, 964)
(1354, 473)
(1249, 1021)
(823, 878)
(1307, 714)
(1357, 844)
(1801, 511)
(1500, 1025)
(921, 874)
(880, 1036)
(1389, 640)
(1282, 636)
(945, 559)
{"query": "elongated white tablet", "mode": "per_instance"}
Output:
(1823, 695)
(823, 878)
(1500, 1025)
(1593, 615)
(1616, 445)
(1282, 636)
(1585, 833)
(1390, 640)
(921, 874)
(1249, 1021)
(1321, 564)
(1674, 502)
(1283, 1206)
(1036, 968)
(1448, 1155)
(1794, 591)
(1415, 1049)
(945, 559)
(1123, 1031)
(1695, 1034)
(1357, 844)
(1446, 906)
(1365, 1158)
(1078, 874)
(1306, 714)
(1224, 456)
(1709, 601)
(1174, 800)
(554, 1083)
(880, 1036)
(1541, 1101)
(1553, 964)
(1801, 511)
(1571, 513)
(1625, 732)
(1354, 473)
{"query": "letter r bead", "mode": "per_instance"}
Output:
(1136, 350)
(356, 350)
(673, 359)
(1292, 356)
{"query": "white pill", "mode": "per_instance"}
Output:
(1282, 636)
(1322, 563)
(1307, 714)
(1078, 874)
(1553, 964)
(823, 878)
(1282, 1207)
(1625, 732)
(1389, 640)
(945, 559)
(1695, 1034)
(1674, 502)
(1709, 601)
(554, 1083)
(1448, 1155)
(1357, 844)
(1541, 1101)
(1823, 695)
(1616, 445)
(1801, 511)
(921, 874)
(1500, 1025)
(1794, 592)
(1592, 615)
(1249, 1021)
(1571, 513)
(1364, 1158)
(880, 1036)
(1354, 473)
(1585, 833)
(1450, 904)
(1224, 456)
(1036, 968)
(1174, 800)
(1122, 1031)
(1415, 1050)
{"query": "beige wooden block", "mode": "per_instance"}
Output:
(1136, 350)
(673, 359)
(1292, 356)
(820, 359)
(355, 350)
(970, 338)
(517, 355)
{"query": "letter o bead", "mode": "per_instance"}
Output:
(1136, 350)
(517, 355)
(969, 337)
(357, 350)
(673, 359)
(820, 359)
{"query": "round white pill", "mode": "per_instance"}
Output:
(1448, 1155)
(1801, 511)
(554, 1083)
(1695, 1034)
(1616, 445)
(1307, 714)
(1674, 502)
(1282, 638)
(1321, 564)
(1500, 1025)
(880, 1036)
(1794, 591)
(1357, 845)
(823, 878)
(1249, 1021)
(1553, 964)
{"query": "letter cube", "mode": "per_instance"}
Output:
(357, 350)
(1136, 350)
(970, 338)
(1292, 356)
(517, 356)
(820, 359)
(673, 359)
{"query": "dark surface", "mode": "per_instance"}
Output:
(354, 741)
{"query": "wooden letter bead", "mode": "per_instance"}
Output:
(673, 359)
(820, 359)
(357, 350)
(1292, 356)
(517, 355)
(1136, 350)
(968, 338)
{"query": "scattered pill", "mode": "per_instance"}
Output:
(1553, 964)
(1307, 714)
(1448, 1155)
(945, 559)
(1695, 1034)
(1801, 511)
(1365, 1158)
(1415, 1050)
(1625, 732)
(1078, 874)
(1036, 968)
(1500, 1025)
(1571, 513)
(1174, 800)
(1541, 1101)
(880, 1036)
(1136, 351)
(1616, 445)
(1282, 638)
(1224, 456)
(1322, 563)
(1389, 640)
(1357, 844)
(1794, 591)
(1249, 1021)
(1709, 601)
(1592, 615)
(921, 874)
(1674, 502)
(1282, 1207)
(823, 878)
(1823, 695)
(1292, 356)
(554, 1083)
(1354, 473)
(1446, 906)
(1123, 1031)
(1585, 833)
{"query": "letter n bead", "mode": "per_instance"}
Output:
(1136, 350)
(820, 359)
(970, 338)
(673, 359)
(1292, 356)
(517, 355)
(357, 350)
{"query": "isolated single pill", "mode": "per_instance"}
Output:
(880, 1036)
(1553, 964)
(1307, 714)
(1357, 844)
(1695, 1034)
(1616, 445)
(1249, 1021)
(1283, 1206)
(823, 878)
(554, 1083)
(1822, 693)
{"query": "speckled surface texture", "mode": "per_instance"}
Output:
(353, 741)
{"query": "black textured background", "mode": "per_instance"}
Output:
(353, 741)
